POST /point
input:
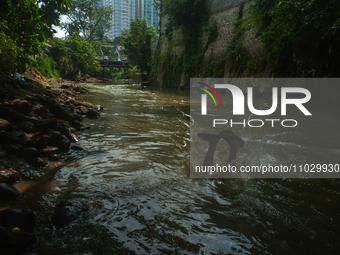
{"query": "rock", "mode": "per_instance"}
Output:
(38, 162)
(59, 111)
(29, 153)
(55, 157)
(82, 110)
(45, 152)
(21, 105)
(73, 137)
(9, 175)
(8, 192)
(6, 126)
(76, 148)
(76, 124)
(82, 103)
(27, 126)
(46, 124)
(70, 101)
(18, 138)
(67, 131)
(93, 114)
(13, 149)
(42, 140)
(41, 98)
(63, 143)
(68, 211)
(80, 117)
(39, 109)
(97, 108)
(85, 128)
(71, 107)
(6, 110)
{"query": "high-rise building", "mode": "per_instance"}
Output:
(123, 11)
(148, 11)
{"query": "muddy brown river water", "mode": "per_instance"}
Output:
(135, 170)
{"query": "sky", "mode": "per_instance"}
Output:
(60, 32)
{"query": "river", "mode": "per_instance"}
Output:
(135, 170)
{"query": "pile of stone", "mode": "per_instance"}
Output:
(38, 124)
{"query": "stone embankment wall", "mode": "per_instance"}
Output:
(225, 13)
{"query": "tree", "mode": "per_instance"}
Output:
(89, 18)
(73, 56)
(25, 25)
(136, 43)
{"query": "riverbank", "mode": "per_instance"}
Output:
(38, 122)
(39, 125)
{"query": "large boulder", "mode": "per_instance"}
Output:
(63, 143)
(44, 139)
(59, 111)
(8, 192)
(28, 153)
(6, 126)
(93, 114)
(27, 126)
(46, 124)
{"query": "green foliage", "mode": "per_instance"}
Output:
(89, 18)
(211, 28)
(184, 13)
(47, 67)
(25, 26)
(133, 70)
(9, 50)
(189, 16)
(304, 34)
(114, 73)
(214, 67)
(74, 55)
(136, 43)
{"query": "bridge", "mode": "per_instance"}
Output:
(112, 60)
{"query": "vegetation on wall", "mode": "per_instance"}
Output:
(189, 16)
(185, 20)
(239, 62)
(302, 37)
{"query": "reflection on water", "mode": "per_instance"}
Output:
(135, 170)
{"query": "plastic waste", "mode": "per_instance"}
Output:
(18, 76)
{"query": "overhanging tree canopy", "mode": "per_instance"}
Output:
(24, 27)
